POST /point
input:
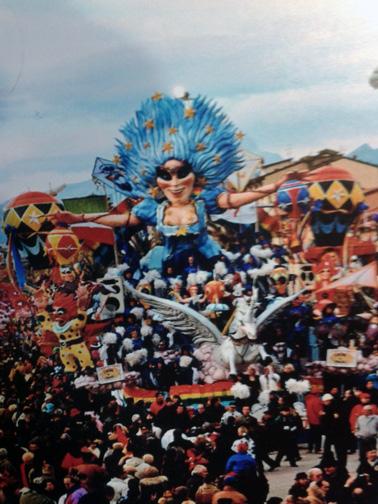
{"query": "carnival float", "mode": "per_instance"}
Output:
(185, 278)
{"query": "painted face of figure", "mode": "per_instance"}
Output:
(67, 273)
(176, 180)
(64, 308)
(280, 279)
(193, 290)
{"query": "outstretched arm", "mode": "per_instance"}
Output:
(236, 200)
(107, 219)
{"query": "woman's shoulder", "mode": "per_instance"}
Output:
(146, 210)
(209, 196)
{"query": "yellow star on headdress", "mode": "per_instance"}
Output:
(154, 191)
(149, 124)
(239, 135)
(182, 231)
(172, 131)
(217, 158)
(167, 147)
(157, 96)
(147, 145)
(200, 147)
(209, 129)
(128, 145)
(189, 113)
(116, 159)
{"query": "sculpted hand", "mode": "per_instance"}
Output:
(292, 175)
(65, 218)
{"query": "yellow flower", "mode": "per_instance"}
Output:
(182, 231)
(154, 191)
(149, 124)
(167, 147)
(189, 113)
(157, 96)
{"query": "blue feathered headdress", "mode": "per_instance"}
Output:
(196, 131)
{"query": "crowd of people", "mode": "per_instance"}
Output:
(67, 439)
(65, 444)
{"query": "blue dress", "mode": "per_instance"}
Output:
(181, 241)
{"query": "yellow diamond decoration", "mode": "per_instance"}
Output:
(337, 194)
(31, 217)
(356, 194)
(12, 219)
(172, 131)
(316, 192)
(54, 208)
(200, 147)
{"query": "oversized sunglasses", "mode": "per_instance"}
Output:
(181, 172)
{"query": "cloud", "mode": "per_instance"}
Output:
(73, 72)
(321, 113)
(37, 180)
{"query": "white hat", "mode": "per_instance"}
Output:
(120, 330)
(327, 397)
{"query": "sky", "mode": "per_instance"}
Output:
(291, 74)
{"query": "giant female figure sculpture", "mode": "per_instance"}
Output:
(175, 154)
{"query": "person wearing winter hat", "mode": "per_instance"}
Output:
(336, 476)
(243, 466)
(288, 425)
(326, 398)
(299, 489)
(334, 428)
